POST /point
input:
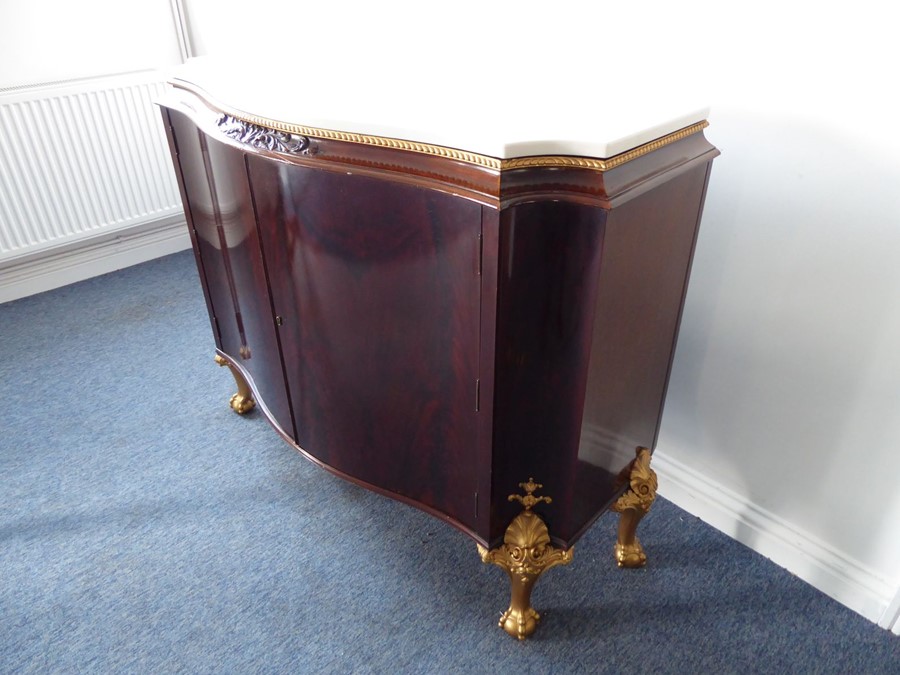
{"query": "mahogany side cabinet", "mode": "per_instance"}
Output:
(487, 338)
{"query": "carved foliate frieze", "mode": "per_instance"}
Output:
(263, 137)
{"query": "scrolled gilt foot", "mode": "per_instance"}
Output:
(630, 555)
(526, 553)
(242, 402)
(632, 506)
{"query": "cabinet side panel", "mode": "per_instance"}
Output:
(378, 287)
(168, 116)
(198, 202)
(548, 266)
(218, 194)
(649, 244)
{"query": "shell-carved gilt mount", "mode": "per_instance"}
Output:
(526, 543)
(642, 484)
(525, 554)
(264, 138)
(526, 548)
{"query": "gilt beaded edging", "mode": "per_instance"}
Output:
(486, 161)
(573, 162)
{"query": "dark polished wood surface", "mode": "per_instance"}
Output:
(379, 298)
(441, 332)
(214, 181)
(549, 259)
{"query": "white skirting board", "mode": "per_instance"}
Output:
(834, 573)
(90, 257)
(891, 618)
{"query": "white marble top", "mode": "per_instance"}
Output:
(472, 117)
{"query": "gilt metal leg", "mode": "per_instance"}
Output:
(241, 402)
(525, 554)
(632, 506)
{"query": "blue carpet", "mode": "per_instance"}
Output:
(145, 528)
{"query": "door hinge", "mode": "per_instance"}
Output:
(477, 395)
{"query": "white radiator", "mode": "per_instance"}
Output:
(83, 163)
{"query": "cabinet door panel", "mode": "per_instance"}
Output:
(218, 194)
(379, 294)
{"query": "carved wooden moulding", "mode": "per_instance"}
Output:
(264, 138)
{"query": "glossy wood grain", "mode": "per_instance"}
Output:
(170, 117)
(549, 262)
(588, 305)
(648, 246)
(379, 293)
(441, 332)
(218, 196)
(642, 280)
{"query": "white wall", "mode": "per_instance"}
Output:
(785, 395)
(786, 388)
(49, 40)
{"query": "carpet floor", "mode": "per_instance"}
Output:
(145, 528)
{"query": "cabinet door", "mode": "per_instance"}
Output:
(218, 198)
(377, 287)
